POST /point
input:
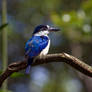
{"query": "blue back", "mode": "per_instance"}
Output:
(35, 45)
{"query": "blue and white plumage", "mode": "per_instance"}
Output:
(39, 43)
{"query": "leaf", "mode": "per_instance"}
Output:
(3, 26)
(17, 74)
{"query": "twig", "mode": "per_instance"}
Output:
(62, 57)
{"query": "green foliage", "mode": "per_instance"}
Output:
(17, 74)
(76, 24)
(4, 91)
(0, 71)
(3, 26)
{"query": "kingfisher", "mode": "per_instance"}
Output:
(39, 44)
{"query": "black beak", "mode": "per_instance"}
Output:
(51, 29)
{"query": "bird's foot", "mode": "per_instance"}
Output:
(42, 56)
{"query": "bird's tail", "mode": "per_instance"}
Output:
(30, 60)
(28, 69)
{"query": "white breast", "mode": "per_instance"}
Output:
(45, 51)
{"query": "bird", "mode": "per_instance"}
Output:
(38, 44)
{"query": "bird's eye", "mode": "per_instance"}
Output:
(43, 28)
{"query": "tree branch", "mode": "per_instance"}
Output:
(62, 57)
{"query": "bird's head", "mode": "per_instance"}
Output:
(44, 30)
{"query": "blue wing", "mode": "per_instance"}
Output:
(35, 45)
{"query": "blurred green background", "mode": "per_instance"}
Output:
(73, 17)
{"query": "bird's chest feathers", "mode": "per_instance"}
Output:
(46, 49)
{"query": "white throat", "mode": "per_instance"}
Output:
(41, 33)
